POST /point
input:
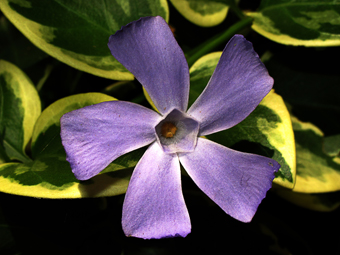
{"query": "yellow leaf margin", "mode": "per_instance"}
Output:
(265, 27)
(183, 6)
(30, 100)
(101, 185)
(308, 184)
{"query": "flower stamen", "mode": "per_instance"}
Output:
(168, 130)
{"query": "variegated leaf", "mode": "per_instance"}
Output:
(299, 22)
(323, 202)
(205, 13)
(19, 109)
(76, 32)
(316, 172)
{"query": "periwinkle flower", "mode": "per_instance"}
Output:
(154, 206)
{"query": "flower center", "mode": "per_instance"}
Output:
(177, 132)
(168, 129)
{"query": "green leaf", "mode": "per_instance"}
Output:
(332, 145)
(19, 109)
(205, 13)
(266, 131)
(3, 156)
(50, 175)
(76, 32)
(16, 48)
(316, 172)
(299, 22)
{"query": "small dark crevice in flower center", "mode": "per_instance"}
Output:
(168, 129)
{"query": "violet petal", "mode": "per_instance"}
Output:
(96, 135)
(154, 206)
(236, 181)
(148, 49)
(238, 84)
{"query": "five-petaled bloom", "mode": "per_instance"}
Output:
(154, 206)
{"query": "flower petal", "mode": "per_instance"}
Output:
(236, 181)
(96, 135)
(148, 49)
(238, 84)
(154, 206)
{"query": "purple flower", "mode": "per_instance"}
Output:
(154, 206)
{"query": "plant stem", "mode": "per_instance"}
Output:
(218, 39)
(43, 79)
